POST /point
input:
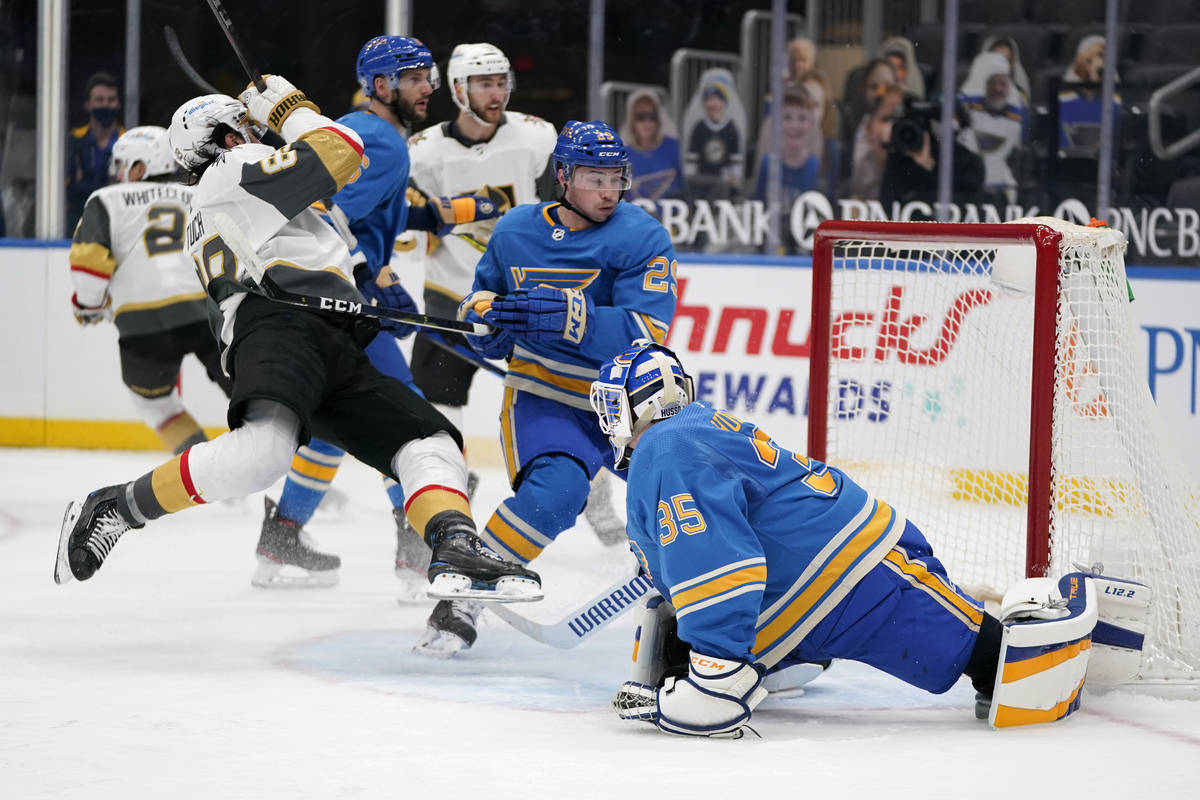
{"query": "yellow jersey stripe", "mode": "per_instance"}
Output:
(528, 369)
(1017, 670)
(320, 472)
(94, 258)
(719, 585)
(508, 435)
(338, 155)
(834, 571)
(933, 584)
(511, 538)
(1011, 716)
(699, 579)
(167, 484)
(656, 330)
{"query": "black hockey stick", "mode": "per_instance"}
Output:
(466, 354)
(238, 50)
(185, 65)
(352, 309)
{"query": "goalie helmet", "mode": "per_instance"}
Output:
(479, 58)
(642, 384)
(149, 145)
(591, 144)
(196, 131)
(389, 56)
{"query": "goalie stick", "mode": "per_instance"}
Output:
(185, 65)
(587, 620)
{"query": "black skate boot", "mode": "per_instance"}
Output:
(450, 629)
(412, 560)
(89, 532)
(463, 567)
(287, 557)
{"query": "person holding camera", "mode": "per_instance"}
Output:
(910, 173)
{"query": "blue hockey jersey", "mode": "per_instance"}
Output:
(374, 201)
(626, 266)
(753, 544)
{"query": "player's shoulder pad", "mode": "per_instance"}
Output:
(534, 126)
(425, 137)
(639, 227)
(520, 217)
(378, 137)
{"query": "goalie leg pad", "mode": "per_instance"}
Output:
(1044, 651)
(1120, 633)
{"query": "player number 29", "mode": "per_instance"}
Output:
(680, 514)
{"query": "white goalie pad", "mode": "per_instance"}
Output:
(1044, 650)
(1120, 633)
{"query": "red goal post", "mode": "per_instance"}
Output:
(1045, 240)
(983, 379)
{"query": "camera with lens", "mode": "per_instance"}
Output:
(910, 127)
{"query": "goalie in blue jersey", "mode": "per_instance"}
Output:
(771, 559)
(565, 284)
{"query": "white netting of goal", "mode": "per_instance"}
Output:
(929, 408)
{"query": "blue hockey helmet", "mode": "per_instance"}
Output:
(643, 383)
(592, 144)
(389, 56)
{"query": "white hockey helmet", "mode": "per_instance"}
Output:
(642, 384)
(147, 144)
(195, 126)
(476, 58)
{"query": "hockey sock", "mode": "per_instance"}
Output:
(313, 468)
(395, 492)
(552, 492)
(981, 666)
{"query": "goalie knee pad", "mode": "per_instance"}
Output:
(1044, 650)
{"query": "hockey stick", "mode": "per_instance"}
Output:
(185, 65)
(584, 622)
(470, 356)
(352, 309)
(227, 27)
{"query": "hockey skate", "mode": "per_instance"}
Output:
(449, 630)
(462, 567)
(287, 557)
(602, 515)
(412, 561)
(89, 532)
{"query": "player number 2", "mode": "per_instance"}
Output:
(164, 234)
(680, 514)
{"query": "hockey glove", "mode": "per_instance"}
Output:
(716, 698)
(89, 315)
(544, 313)
(487, 203)
(498, 343)
(276, 103)
(385, 290)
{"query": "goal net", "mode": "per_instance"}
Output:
(983, 379)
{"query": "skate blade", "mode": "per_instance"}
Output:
(439, 644)
(62, 565)
(270, 575)
(509, 589)
(412, 587)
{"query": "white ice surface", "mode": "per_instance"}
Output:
(168, 675)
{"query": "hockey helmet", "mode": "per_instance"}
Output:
(643, 383)
(149, 145)
(196, 129)
(389, 56)
(478, 58)
(592, 144)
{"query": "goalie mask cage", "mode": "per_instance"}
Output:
(983, 379)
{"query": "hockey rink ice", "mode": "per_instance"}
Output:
(168, 675)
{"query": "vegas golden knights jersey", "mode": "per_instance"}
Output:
(128, 248)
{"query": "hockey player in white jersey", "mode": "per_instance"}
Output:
(128, 265)
(295, 371)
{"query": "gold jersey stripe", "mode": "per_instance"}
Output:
(92, 257)
(338, 156)
(719, 585)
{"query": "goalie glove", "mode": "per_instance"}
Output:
(715, 698)
(485, 204)
(498, 343)
(276, 103)
(544, 313)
